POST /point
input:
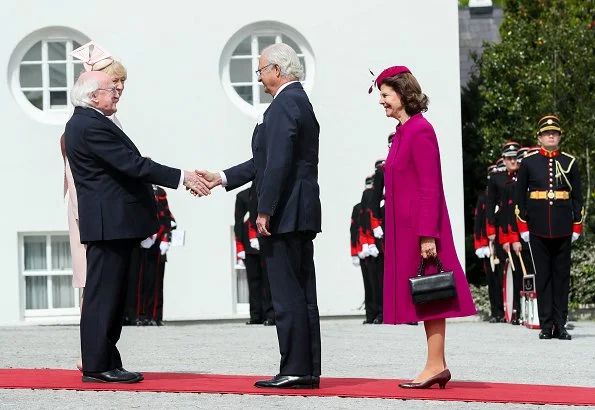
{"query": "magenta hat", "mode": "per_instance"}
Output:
(387, 73)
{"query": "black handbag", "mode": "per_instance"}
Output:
(434, 286)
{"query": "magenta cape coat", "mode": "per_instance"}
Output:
(415, 207)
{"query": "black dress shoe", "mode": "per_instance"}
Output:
(367, 322)
(139, 375)
(111, 376)
(290, 382)
(377, 321)
(254, 322)
(269, 322)
(561, 333)
(493, 320)
(545, 334)
(515, 322)
(502, 320)
(160, 323)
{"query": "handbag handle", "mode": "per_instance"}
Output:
(420, 270)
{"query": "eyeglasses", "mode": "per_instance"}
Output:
(111, 90)
(259, 71)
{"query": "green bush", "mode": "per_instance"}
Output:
(582, 274)
(482, 300)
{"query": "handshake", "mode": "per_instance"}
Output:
(200, 182)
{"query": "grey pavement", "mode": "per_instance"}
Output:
(476, 351)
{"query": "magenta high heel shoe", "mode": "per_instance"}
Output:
(441, 379)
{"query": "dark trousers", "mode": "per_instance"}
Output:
(366, 266)
(152, 284)
(134, 275)
(290, 264)
(108, 264)
(517, 284)
(259, 293)
(495, 287)
(376, 272)
(552, 278)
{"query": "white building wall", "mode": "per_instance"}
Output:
(175, 109)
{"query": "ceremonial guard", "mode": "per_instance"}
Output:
(508, 233)
(549, 212)
(494, 229)
(369, 209)
(248, 251)
(482, 250)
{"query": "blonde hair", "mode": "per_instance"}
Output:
(116, 69)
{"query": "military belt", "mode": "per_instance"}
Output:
(549, 195)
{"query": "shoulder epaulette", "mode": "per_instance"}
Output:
(531, 154)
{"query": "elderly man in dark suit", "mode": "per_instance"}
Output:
(284, 164)
(116, 211)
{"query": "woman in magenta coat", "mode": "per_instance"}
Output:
(417, 222)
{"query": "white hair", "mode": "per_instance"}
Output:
(287, 60)
(83, 88)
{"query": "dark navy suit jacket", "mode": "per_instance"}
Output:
(112, 179)
(284, 164)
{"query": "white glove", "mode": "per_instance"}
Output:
(575, 236)
(479, 253)
(147, 243)
(378, 233)
(373, 251)
(355, 260)
(486, 251)
(366, 250)
(240, 264)
(525, 236)
(164, 247)
(242, 255)
(254, 243)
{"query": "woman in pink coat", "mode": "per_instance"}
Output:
(100, 61)
(417, 222)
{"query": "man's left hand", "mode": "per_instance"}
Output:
(575, 236)
(262, 224)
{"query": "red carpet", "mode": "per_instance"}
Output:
(371, 388)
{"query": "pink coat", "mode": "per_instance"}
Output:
(78, 251)
(415, 207)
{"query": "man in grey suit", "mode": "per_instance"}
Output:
(284, 165)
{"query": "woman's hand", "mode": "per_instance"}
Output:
(428, 247)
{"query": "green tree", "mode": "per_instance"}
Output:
(544, 64)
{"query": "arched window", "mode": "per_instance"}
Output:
(240, 61)
(42, 72)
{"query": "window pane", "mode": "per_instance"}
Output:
(35, 257)
(243, 49)
(56, 51)
(265, 41)
(240, 71)
(58, 99)
(57, 75)
(264, 98)
(34, 53)
(35, 98)
(61, 252)
(242, 286)
(75, 44)
(77, 70)
(36, 292)
(245, 91)
(303, 61)
(30, 75)
(62, 291)
(292, 44)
